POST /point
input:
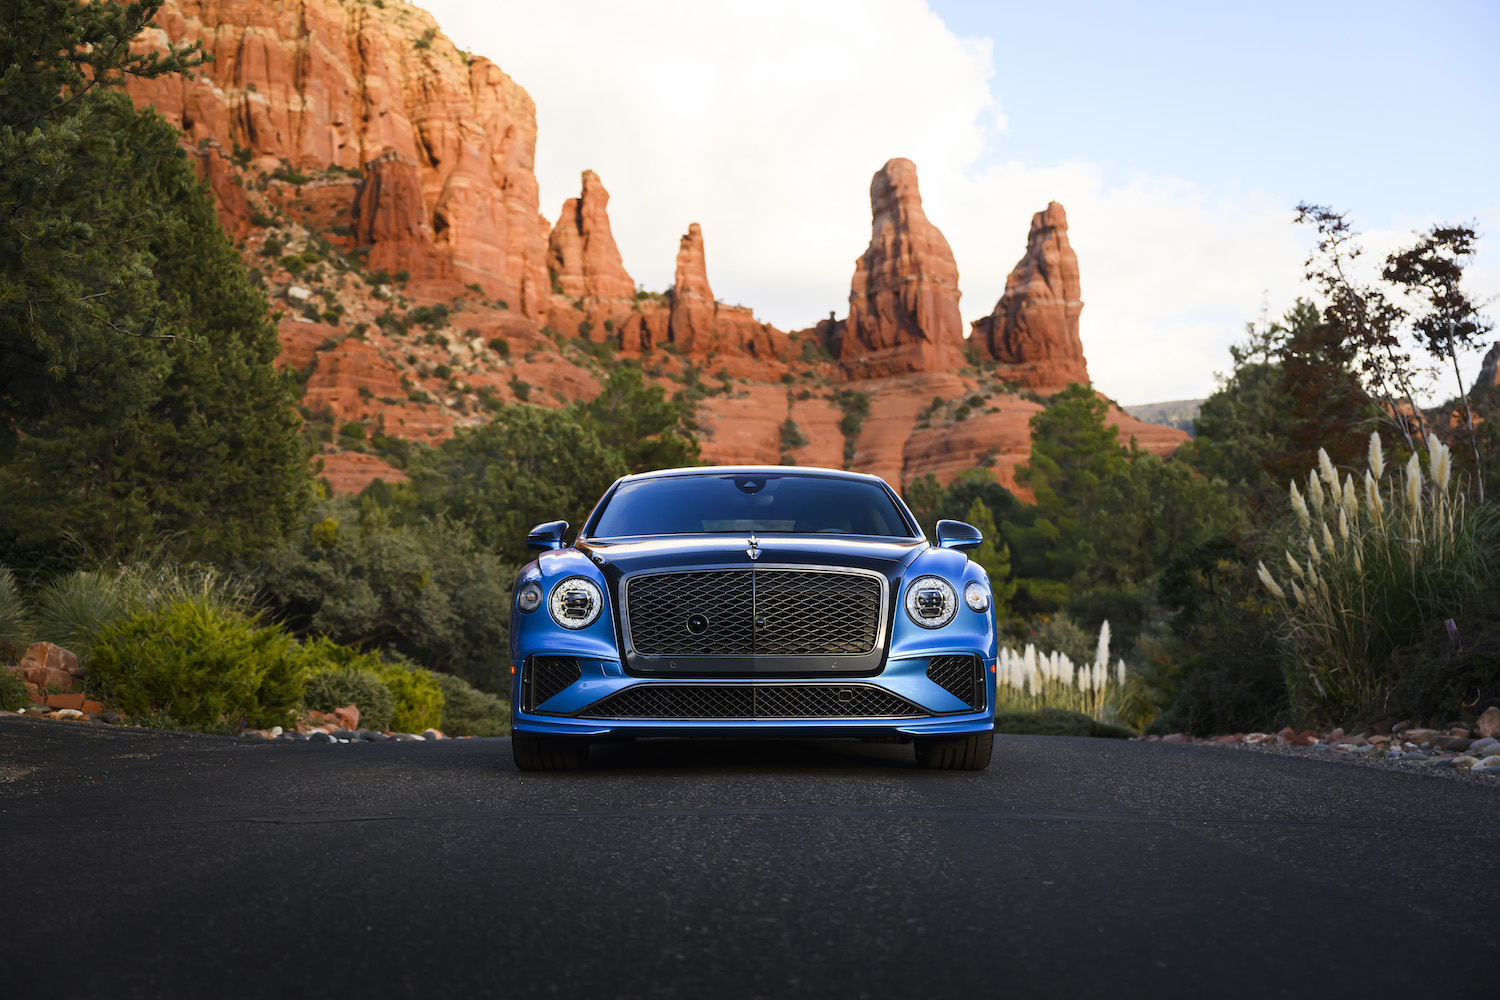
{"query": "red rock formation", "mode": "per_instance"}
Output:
(903, 301)
(582, 257)
(692, 324)
(1035, 324)
(1489, 369)
(323, 84)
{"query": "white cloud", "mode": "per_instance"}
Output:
(764, 123)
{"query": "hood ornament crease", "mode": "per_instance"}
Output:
(754, 550)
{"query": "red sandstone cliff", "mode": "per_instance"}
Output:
(1034, 328)
(362, 126)
(903, 301)
(444, 141)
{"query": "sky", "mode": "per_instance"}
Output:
(1178, 136)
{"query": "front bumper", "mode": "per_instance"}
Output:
(933, 710)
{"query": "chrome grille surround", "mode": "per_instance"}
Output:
(759, 610)
(960, 676)
(753, 702)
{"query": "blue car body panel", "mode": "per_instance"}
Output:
(899, 666)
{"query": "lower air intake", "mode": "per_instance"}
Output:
(546, 676)
(960, 676)
(753, 701)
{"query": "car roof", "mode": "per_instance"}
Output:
(755, 470)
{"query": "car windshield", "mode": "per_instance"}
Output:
(744, 502)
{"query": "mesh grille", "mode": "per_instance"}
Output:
(742, 612)
(660, 607)
(549, 675)
(960, 676)
(757, 701)
(806, 613)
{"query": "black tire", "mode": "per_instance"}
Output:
(963, 753)
(548, 753)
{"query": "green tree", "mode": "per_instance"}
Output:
(72, 250)
(993, 556)
(137, 397)
(427, 590)
(186, 432)
(1073, 452)
(636, 419)
(526, 466)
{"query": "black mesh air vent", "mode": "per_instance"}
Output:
(753, 701)
(547, 676)
(960, 676)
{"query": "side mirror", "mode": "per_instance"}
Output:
(546, 536)
(958, 535)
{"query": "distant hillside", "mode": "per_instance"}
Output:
(1180, 413)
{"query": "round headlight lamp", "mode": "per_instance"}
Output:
(529, 597)
(931, 601)
(575, 602)
(977, 596)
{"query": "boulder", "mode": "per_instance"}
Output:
(1488, 724)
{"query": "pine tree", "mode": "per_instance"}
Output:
(137, 398)
(993, 556)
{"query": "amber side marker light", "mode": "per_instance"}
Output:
(513, 668)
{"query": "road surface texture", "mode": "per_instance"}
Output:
(144, 864)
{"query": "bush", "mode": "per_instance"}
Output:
(363, 689)
(1376, 571)
(12, 691)
(468, 711)
(342, 676)
(427, 590)
(199, 664)
(419, 699)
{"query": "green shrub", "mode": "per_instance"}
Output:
(199, 664)
(342, 676)
(12, 691)
(468, 711)
(334, 689)
(419, 698)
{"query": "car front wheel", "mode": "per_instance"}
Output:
(548, 753)
(963, 753)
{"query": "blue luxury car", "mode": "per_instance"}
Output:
(750, 601)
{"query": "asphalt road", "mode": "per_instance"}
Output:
(153, 865)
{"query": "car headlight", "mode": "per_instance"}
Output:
(931, 601)
(576, 602)
(977, 596)
(529, 597)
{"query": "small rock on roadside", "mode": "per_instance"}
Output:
(1488, 723)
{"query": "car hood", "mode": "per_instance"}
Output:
(887, 556)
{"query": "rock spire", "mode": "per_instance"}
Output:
(903, 301)
(1035, 324)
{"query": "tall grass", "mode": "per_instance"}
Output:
(15, 620)
(1030, 680)
(1370, 567)
(72, 610)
